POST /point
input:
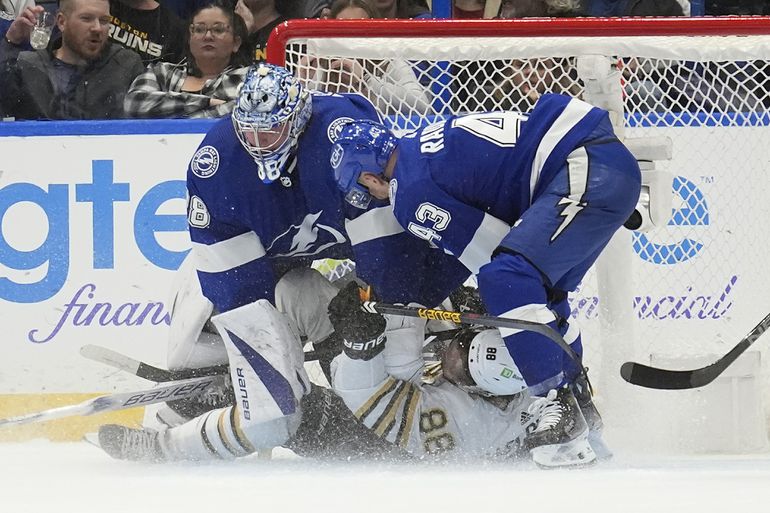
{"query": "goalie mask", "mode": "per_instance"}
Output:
(270, 114)
(474, 359)
(362, 146)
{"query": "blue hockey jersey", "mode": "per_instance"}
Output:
(463, 182)
(246, 233)
(542, 193)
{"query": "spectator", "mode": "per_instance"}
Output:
(80, 76)
(184, 9)
(147, 28)
(468, 9)
(403, 9)
(602, 8)
(737, 7)
(539, 8)
(391, 85)
(524, 81)
(313, 9)
(261, 17)
(205, 85)
(15, 7)
(9, 9)
(434, 77)
(599, 8)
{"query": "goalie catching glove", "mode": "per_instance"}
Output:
(363, 332)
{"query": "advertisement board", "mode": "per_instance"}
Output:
(93, 226)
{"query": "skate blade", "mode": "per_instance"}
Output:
(576, 453)
(603, 452)
(92, 439)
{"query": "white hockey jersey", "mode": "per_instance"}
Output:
(386, 394)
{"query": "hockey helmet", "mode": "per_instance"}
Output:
(363, 145)
(270, 114)
(488, 363)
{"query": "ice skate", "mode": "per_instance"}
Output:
(581, 388)
(560, 436)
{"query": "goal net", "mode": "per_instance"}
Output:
(678, 296)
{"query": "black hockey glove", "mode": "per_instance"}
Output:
(363, 332)
(467, 299)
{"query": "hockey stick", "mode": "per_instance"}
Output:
(474, 318)
(664, 379)
(156, 374)
(170, 391)
(145, 370)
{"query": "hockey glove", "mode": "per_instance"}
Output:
(467, 299)
(363, 332)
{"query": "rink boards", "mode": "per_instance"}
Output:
(93, 226)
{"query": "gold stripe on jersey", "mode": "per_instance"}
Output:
(407, 417)
(388, 418)
(240, 436)
(221, 431)
(374, 400)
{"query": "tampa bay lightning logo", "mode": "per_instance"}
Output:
(205, 162)
(308, 238)
(335, 128)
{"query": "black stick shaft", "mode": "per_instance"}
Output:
(665, 379)
(473, 318)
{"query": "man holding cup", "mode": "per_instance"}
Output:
(80, 76)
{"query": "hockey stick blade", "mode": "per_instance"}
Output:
(167, 392)
(665, 379)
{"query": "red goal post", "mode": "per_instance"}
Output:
(687, 289)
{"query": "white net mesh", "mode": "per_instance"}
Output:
(696, 286)
(671, 75)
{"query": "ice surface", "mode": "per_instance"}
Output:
(43, 477)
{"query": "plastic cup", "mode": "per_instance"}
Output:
(41, 33)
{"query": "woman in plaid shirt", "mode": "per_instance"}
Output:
(206, 83)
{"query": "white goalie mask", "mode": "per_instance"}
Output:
(270, 114)
(475, 360)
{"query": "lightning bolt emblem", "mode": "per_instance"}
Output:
(568, 213)
(572, 204)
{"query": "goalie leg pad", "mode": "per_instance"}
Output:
(266, 366)
(189, 344)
